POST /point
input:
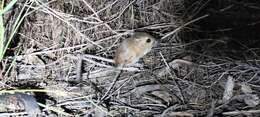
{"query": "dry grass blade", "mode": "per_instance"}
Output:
(184, 25)
(51, 11)
(62, 51)
(242, 112)
(173, 77)
(111, 86)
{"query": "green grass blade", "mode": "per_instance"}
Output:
(16, 26)
(8, 7)
(2, 5)
(2, 28)
(1, 37)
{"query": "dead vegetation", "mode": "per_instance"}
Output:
(206, 65)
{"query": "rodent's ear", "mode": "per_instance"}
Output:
(156, 36)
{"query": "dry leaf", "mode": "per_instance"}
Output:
(251, 100)
(246, 89)
(19, 102)
(228, 93)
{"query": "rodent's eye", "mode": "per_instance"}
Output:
(148, 40)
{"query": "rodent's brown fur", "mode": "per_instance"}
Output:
(133, 48)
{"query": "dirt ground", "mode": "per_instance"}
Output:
(207, 61)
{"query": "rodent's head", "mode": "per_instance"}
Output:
(133, 48)
(144, 40)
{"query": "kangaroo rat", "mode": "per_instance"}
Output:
(133, 48)
(129, 52)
